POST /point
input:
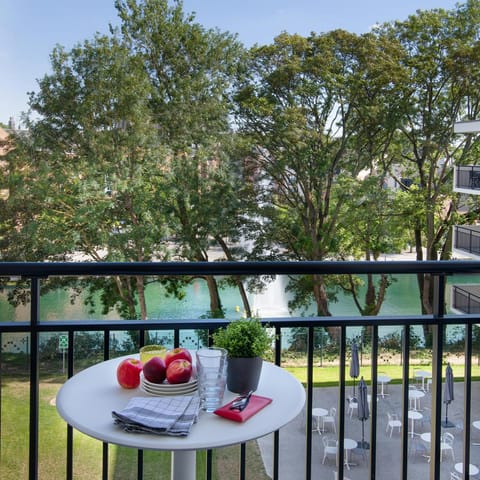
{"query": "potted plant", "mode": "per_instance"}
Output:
(246, 341)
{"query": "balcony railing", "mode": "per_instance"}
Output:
(467, 177)
(466, 298)
(467, 239)
(438, 320)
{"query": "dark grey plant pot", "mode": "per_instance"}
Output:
(243, 374)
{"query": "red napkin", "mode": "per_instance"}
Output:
(255, 404)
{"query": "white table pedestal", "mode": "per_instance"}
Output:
(184, 465)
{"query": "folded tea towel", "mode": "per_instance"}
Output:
(173, 415)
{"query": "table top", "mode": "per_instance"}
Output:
(414, 415)
(349, 444)
(87, 399)
(422, 373)
(383, 378)
(426, 436)
(473, 470)
(476, 424)
(416, 394)
(319, 412)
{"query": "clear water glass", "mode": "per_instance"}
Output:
(212, 377)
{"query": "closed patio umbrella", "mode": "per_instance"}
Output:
(448, 396)
(354, 366)
(363, 410)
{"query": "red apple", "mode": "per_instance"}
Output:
(179, 371)
(155, 370)
(128, 373)
(178, 353)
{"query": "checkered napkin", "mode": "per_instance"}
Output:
(161, 415)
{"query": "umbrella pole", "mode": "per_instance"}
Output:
(363, 444)
(446, 423)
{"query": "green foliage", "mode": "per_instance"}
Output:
(243, 338)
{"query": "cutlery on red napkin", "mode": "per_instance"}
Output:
(255, 404)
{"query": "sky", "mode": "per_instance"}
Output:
(30, 29)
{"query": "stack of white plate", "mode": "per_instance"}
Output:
(167, 388)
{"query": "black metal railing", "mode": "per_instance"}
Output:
(466, 299)
(439, 271)
(468, 177)
(467, 238)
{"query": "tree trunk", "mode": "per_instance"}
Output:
(238, 280)
(215, 302)
(141, 297)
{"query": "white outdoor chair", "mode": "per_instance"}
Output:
(331, 418)
(329, 448)
(446, 444)
(393, 422)
(352, 406)
(455, 476)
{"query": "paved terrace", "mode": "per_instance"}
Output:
(292, 439)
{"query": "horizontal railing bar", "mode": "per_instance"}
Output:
(33, 269)
(173, 324)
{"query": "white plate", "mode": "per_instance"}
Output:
(169, 391)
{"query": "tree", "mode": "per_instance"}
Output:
(90, 172)
(312, 106)
(378, 229)
(441, 62)
(191, 71)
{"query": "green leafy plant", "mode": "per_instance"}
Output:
(243, 338)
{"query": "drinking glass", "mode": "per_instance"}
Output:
(149, 351)
(212, 377)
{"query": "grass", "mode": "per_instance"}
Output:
(14, 431)
(327, 376)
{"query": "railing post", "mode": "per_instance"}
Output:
(405, 400)
(309, 401)
(34, 376)
(467, 389)
(437, 357)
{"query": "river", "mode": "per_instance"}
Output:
(401, 299)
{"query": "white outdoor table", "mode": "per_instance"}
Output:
(476, 424)
(423, 374)
(382, 380)
(87, 399)
(318, 413)
(415, 395)
(473, 470)
(348, 444)
(427, 437)
(414, 415)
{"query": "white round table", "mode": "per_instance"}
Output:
(473, 469)
(427, 437)
(383, 380)
(415, 395)
(414, 415)
(87, 399)
(348, 444)
(318, 413)
(422, 375)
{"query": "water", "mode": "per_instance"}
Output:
(401, 299)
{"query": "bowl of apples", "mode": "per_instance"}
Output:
(173, 374)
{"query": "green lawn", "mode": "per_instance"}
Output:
(14, 429)
(329, 375)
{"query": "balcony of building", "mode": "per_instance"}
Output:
(27, 389)
(467, 179)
